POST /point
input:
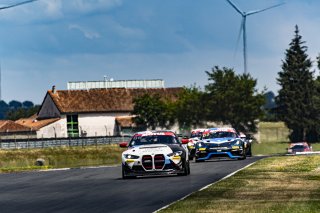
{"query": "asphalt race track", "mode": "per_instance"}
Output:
(103, 190)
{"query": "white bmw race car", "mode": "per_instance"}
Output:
(154, 153)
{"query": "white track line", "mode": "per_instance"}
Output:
(83, 167)
(229, 175)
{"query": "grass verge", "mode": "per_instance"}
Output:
(271, 148)
(24, 159)
(277, 184)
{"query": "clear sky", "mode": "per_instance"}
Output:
(51, 42)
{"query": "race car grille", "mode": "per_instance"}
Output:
(159, 161)
(217, 145)
(147, 162)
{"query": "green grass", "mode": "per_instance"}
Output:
(273, 148)
(273, 132)
(24, 159)
(315, 146)
(277, 184)
(269, 148)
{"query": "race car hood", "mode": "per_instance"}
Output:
(218, 140)
(149, 149)
(154, 149)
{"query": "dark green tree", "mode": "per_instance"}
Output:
(15, 104)
(4, 107)
(313, 133)
(190, 108)
(151, 111)
(27, 104)
(269, 107)
(295, 98)
(16, 114)
(233, 99)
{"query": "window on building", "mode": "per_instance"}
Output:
(72, 126)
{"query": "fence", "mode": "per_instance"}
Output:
(58, 142)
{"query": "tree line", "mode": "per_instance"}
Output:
(227, 98)
(233, 99)
(15, 110)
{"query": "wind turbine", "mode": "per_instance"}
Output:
(7, 7)
(17, 4)
(243, 27)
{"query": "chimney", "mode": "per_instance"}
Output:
(53, 89)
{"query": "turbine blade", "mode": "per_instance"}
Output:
(258, 11)
(238, 39)
(17, 4)
(235, 7)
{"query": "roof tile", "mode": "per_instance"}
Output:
(105, 100)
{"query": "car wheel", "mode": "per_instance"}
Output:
(185, 169)
(124, 174)
(244, 154)
(249, 153)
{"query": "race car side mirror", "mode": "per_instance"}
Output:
(184, 140)
(123, 144)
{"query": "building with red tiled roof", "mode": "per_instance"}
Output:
(11, 130)
(35, 124)
(40, 127)
(93, 112)
(11, 126)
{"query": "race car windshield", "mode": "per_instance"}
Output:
(222, 135)
(196, 135)
(153, 139)
(298, 147)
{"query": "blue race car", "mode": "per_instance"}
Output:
(220, 142)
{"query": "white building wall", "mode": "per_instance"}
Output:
(94, 124)
(57, 129)
(98, 124)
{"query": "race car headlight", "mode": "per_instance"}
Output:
(235, 143)
(178, 153)
(201, 145)
(129, 156)
(191, 143)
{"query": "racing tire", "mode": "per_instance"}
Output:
(244, 154)
(191, 155)
(249, 153)
(124, 174)
(186, 169)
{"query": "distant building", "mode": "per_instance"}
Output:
(107, 84)
(90, 112)
(11, 130)
(41, 128)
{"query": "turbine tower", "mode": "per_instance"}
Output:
(3, 8)
(243, 27)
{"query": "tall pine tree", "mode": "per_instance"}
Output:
(295, 98)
